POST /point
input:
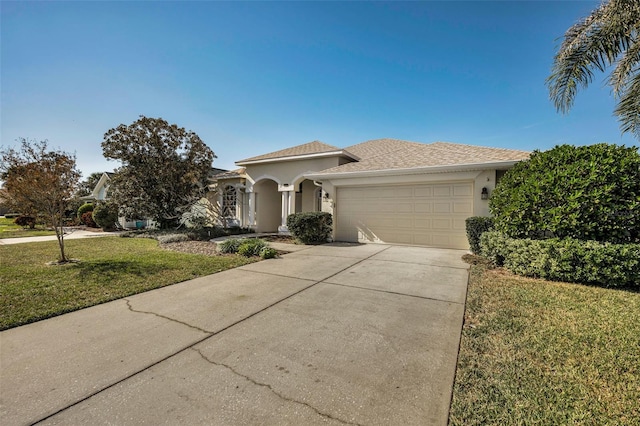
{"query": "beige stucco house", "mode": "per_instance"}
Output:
(383, 190)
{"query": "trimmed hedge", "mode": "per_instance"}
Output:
(105, 215)
(585, 192)
(310, 227)
(476, 226)
(568, 259)
(86, 207)
(25, 221)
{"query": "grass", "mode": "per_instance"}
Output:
(540, 353)
(8, 229)
(110, 268)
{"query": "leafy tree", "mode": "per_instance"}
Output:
(587, 193)
(86, 186)
(164, 169)
(609, 35)
(41, 181)
(105, 215)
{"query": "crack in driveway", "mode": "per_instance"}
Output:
(167, 318)
(208, 334)
(268, 386)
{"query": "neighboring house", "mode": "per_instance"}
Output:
(383, 190)
(101, 192)
(203, 207)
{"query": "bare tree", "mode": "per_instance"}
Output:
(40, 180)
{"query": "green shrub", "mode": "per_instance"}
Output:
(586, 193)
(493, 246)
(568, 259)
(87, 219)
(229, 246)
(476, 226)
(25, 221)
(105, 215)
(86, 207)
(251, 247)
(268, 253)
(310, 227)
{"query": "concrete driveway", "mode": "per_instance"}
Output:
(332, 334)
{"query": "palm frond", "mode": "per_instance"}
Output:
(592, 44)
(627, 67)
(628, 109)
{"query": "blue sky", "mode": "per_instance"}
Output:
(251, 78)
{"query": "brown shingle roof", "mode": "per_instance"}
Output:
(228, 174)
(315, 147)
(377, 147)
(390, 154)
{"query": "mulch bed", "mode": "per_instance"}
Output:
(208, 248)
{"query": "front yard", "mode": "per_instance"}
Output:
(8, 229)
(110, 268)
(539, 352)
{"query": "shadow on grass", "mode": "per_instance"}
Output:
(117, 268)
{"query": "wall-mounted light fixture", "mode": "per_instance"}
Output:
(484, 194)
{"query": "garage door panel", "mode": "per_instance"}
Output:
(423, 214)
(441, 207)
(460, 225)
(465, 190)
(442, 191)
(419, 207)
(404, 207)
(463, 208)
(422, 223)
(441, 224)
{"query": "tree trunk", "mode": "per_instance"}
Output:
(57, 225)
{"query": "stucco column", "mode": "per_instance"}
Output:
(252, 209)
(286, 208)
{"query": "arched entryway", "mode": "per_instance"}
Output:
(308, 197)
(268, 205)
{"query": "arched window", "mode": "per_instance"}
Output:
(229, 202)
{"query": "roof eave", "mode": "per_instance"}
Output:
(340, 153)
(415, 170)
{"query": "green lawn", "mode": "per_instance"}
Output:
(110, 268)
(540, 353)
(8, 229)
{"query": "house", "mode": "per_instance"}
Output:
(202, 208)
(100, 193)
(383, 190)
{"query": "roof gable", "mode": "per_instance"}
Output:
(311, 148)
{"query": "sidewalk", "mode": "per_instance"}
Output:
(71, 235)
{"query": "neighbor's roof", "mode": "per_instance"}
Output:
(315, 147)
(229, 174)
(394, 154)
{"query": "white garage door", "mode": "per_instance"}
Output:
(421, 214)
